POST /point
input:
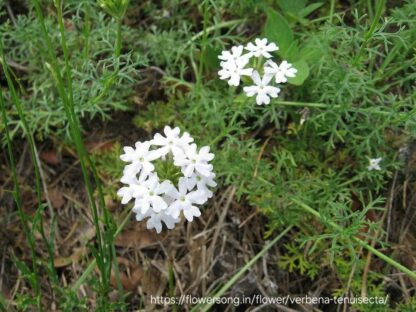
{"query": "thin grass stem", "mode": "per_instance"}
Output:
(17, 198)
(239, 274)
(362, 243)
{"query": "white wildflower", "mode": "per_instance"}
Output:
(202, 183)
(236, 56)
(233, 72)
(163, 202)
(261, 48)
(233, 65)
(262, 89)
(140, 157)
(171, 142)
(280, 72)
(184, 201)
(374, 164)
(194, 161)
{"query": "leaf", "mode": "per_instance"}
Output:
(311, 53)
(277, 30)
(99, 146)
(292, 53)
(136, 238)
(50, 156)
(291, 6)
(56, 197)
(210, 58)
(309, 9)
(129, 281)
(74, 258)
(301, 75)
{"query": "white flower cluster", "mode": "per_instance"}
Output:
(162, 201)
(235, 64)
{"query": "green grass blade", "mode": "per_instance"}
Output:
(17, 196)
(236, 277)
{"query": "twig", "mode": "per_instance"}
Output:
(255, 213)
(263, 147)
(11, 14)
(17, 66)
(220, 221)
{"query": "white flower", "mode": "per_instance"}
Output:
(155, 220)
(233, 72)
(233, 65)
(262, 88)
(261, 48)
(140, 157)
(234, 57)
(149, 196)
(128, 192)
(202, 183)
(171, 142)
(185, 201)
(133, 188)
(374, 164)
(280, 73)
(162, 202)
(193, 161)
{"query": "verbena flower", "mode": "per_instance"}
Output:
(163, 202)
(192, 161)
(236, 56)
(235, 64)
(155, 220)
(140, 157)
(262, 89)
(202, 183)
(280, 72)
(149, 195)
(374, 164)
(233, 72)
(171, 142)
(184, 201)
(261, 48)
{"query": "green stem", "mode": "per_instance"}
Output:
(87, 30)
(117, 51)
(117, 277)
(104, 263)
(362, 243)
(93, 263)
(3, 303)
(240, 273)
(172, 282)
(203, 45)
(352, 109)
(331, 11)
(370, 32)
(213, 28)
(112, 78)
(17, 195)
(36, 165)
(71, 113)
